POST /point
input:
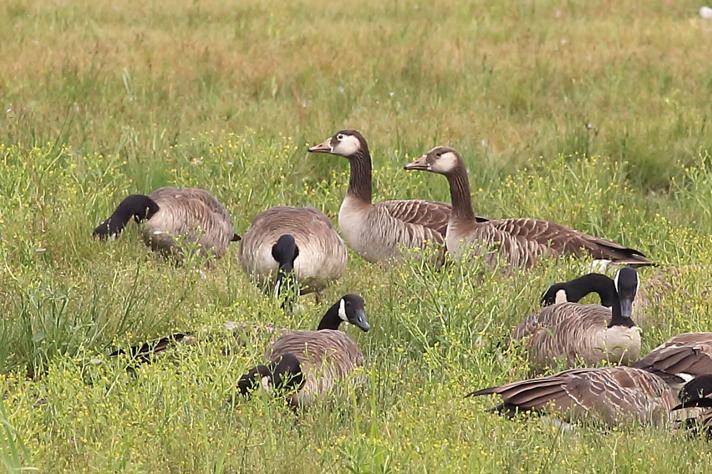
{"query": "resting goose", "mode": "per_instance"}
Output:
(172, 216)
(575, 290)
(282, 240)
(520, 242)
(612, 395)
(592, 333)
(680, 358)
(325, 356)
(376, 231)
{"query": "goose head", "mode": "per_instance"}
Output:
(441, 160)
(285, 251)
(284, 375)
(137, 207)
(626, 283)
(351, 309)
(346, 143)
(696, 393)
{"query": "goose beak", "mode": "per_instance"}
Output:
(626, 307)
(421, 164)
(324, 147)
(360, 321)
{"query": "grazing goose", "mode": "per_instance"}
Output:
(520, 242)
(575, 290)
(612, 395)
(283, 374)
(282, 240)
(173, 215)
(680, 358)
(590, 332)
(375, 231)
(325, 356)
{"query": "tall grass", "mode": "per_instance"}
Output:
(592, 114)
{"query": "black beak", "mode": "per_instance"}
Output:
(360, 320)
(421, 164)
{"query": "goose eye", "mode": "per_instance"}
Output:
(339, 137)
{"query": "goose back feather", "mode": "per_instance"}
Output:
(613, 395)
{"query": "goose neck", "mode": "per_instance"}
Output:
(460, 196)
(331, 319)
(360, 179)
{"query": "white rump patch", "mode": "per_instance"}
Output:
(342, 310)
(347, 146)
(561, 297)
(600, 265)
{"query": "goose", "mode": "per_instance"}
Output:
(172, 216)
(302, 241)
(575, 290)
(590, 332)
(325, 356)
(611, 395)
(680, 358)
(520, 242)
(376, 231)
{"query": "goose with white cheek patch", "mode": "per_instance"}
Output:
(575, 290)
(519, 242)
(171, 217)
(326, 356)
(302, 242)
(610, 395)
(572, 332)
(376, 231)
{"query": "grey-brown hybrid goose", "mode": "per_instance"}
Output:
(325, 356)
(612, 395)
(376, 231)
(172, 217)
(282, 240)
(519, 242)
(572, 332)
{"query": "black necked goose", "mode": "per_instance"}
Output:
(572, 332)
(172, 216)
(325, 356)
(302, 241)
(376, 231)
(612, 395)
(575, 290)
(520, 242)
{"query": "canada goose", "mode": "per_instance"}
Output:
(325, 356)
(680, 358)
(612, 395)
(282, 240)
(521, 242)
(375, 231)
(575, 290)
(283, 374)
(593, 333)
(171, 214)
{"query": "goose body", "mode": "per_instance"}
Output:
(519, 242)
(172, 217)
(325, 356)
(613, 395)
(680, 358)
(322, 255)
(572, 332)
(378, 231)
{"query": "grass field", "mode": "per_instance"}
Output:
(592, 114)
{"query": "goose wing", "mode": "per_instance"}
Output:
(564, 240)
(610, 394)
(431, 214)
(689, 353)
